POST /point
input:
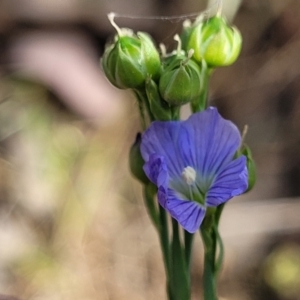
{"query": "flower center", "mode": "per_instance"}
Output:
(189, 175)
(193, 192)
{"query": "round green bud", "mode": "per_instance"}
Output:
(180, 81)
(214, 41)
(136, 161)
(131, 59)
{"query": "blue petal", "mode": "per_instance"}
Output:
(162, 195)
(189, 214)
(156, 170)
(207, 143)
(166, 139)
(232, 181)
(215, 141)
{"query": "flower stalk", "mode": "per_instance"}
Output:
(145, 106)
(180, 279)
(189, 169)
(201, 102)
(208, 235)
(188, 245)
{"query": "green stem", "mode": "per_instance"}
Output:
(209, 276)
(164, 239)
(142, 97)
(141, 110)
(188, 243)
(218, 213)
(220, 258)
(149, 194)
(159, 218)
(209, 280)
(204, 95)
(212, 264)
(201, 103)
(175, 113)
(180, 277)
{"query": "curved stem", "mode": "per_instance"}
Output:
(218, 213)
(220, 258)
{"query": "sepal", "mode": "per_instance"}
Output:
(136, 161)
(250, 166)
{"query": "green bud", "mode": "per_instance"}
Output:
(180, 81)
(159, 108)
(136, 161)
(250, 166)
(130, 59)
(214, 41)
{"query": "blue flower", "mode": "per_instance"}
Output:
(193, 165)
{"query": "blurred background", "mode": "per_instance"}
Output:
(72, 220)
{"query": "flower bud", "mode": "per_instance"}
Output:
(214, 41)
(130, 59)
(159, 108)
(136, 161)
(180, 82)
(250, 166)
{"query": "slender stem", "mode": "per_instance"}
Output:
(164, 239)
(142, 96)
(219, 242)
(220, 258)
(141, 107)
(180, 277)
(159, 218)
(142, 115)
(201, 103)
(209, 280)
(149, 194)
(204, 96)
(218, 213)
(209, 239)
(175, 113)
(188, 243)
